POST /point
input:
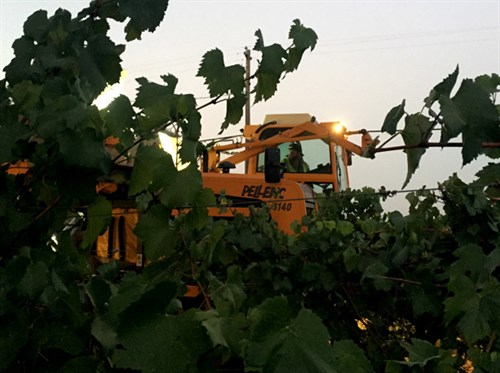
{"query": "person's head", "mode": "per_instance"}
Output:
(295, 150)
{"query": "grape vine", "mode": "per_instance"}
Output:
(355, 289)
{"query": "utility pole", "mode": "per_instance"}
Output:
(247, 85)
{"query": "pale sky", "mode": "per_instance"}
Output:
(369, 57)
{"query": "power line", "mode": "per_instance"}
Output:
(386, 37)
(345, 41)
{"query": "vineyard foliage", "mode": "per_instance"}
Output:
(356, 289)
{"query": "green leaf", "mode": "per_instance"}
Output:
(259, 43)
(219, 78)
(415, 134)
(475, 263)
(36, 26)
(9, 134)
(153, 169)
(489, 175)
(350, 358)
(474, 323)
(393, 117)
(344, 227)
(350, 258)
(13, 336)
(144, 15)
(465, 292)
(175, 346)
(228, 296)
(300, 344)
(27, 96)
(222, 80)
(420, 352)
(156, 231)
(269, 72)
(99, 292)
(149, 93)
(182, 191)
(453, 122)
(234, 109)
(481, 118)
(490, 83)
(162, 108)
(198, 215)
(64, 338)
(82, 364)
(377, 271)
(397, 220)
(34, 280)
(370, 226)
(99, 218)
(85, 149)
(213, 323)
(443, 89)
(119, 116)
(99, 63)
(303, 38)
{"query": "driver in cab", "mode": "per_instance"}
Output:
(294, 162)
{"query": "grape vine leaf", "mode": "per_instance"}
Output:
(153, 169)
(482, 123)
(214, 325)
(144, 15)
(10, 133)
(453, 122)
(224, 80)
(420, 352)
(36, 26)
(350, 358)
(393, 117)
(442, 89)
(474, 323)
(489, 83)
(119, 116)
(13, 336)
(489, 175)
(155, 231)
(280, 343)
(303, 38)
(183, 189)
(99, 215)
(416, 133)
(269, 72)
(175, 346)
(81, 364)
(86, 150)
(219, 78)
(157, 104)
(228, 296)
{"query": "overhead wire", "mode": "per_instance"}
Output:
(346, 41)
(337, 195)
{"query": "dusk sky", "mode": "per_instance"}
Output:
(370, 56)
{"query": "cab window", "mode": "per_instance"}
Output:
(315, 157)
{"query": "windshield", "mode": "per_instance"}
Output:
(311, 156)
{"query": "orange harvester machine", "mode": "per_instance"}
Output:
(247, 171)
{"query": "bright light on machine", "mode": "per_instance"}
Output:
(339, 128)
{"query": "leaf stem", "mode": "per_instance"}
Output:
(413, 282)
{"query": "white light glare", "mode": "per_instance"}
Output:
(339, 128)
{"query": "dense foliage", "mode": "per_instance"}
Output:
(355, 290)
